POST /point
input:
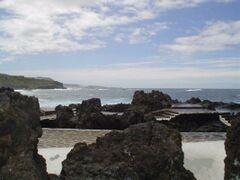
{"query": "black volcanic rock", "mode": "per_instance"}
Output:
(201, 122)
(65, 117)
(147, 102)
(132, 117)
(214, 104)
(116, 107)
(194, 100)
(232, 144)
(231, 106)
(19, 132)
(143, 151)
(90, 105)
(48, 123)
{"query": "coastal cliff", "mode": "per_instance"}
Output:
(21, 82)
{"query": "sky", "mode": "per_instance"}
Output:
(127, 43)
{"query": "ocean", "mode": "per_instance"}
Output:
(50, 98)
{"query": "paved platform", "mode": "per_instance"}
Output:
(69, 137)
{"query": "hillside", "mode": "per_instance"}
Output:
(21, 82)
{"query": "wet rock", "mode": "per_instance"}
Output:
(232, 144)
(147, 102)
(19, 132)
(116, 107)
(143, 151)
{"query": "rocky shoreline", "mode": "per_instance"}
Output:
(145, 148)
(193, 115)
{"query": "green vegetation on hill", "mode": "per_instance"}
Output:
(21, 82)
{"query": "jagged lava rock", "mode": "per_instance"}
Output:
(147, 102)
(202, 122)
(19, 132)
(143, 151)
(116, 107)
(232, 144)
(90, 105)
(194, 100)
(65, 117)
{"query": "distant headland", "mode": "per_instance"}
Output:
(22, 82)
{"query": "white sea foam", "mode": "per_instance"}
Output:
(204, 159)
(19, 90)
(193, 90)
(102, 89)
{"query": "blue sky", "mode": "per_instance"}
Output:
(128, 43)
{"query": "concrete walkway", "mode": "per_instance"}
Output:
(69, 137)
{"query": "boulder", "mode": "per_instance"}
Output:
(132, 117)
(65, 117)
(143, 151)
(90, 105)
(19, 132)
(194, 100)
(147, 102)
(232, 144)
(90, 117)
(92, 120)
(98, 120)
(116, 107)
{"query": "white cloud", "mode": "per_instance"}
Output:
(216, 36)
(229, 62)
(6, 58)
(60, 25)
(134, 35)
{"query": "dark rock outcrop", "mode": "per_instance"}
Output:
(132, 117)
(88, 106)
(194, 100)
(48, 123)
(231, 106)
(19, 132)
(143, 151)
(97, 120)
(232, 144)
(196, 123)
(116, 107)
(214, 104)
(65, 117)
(147, 102)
